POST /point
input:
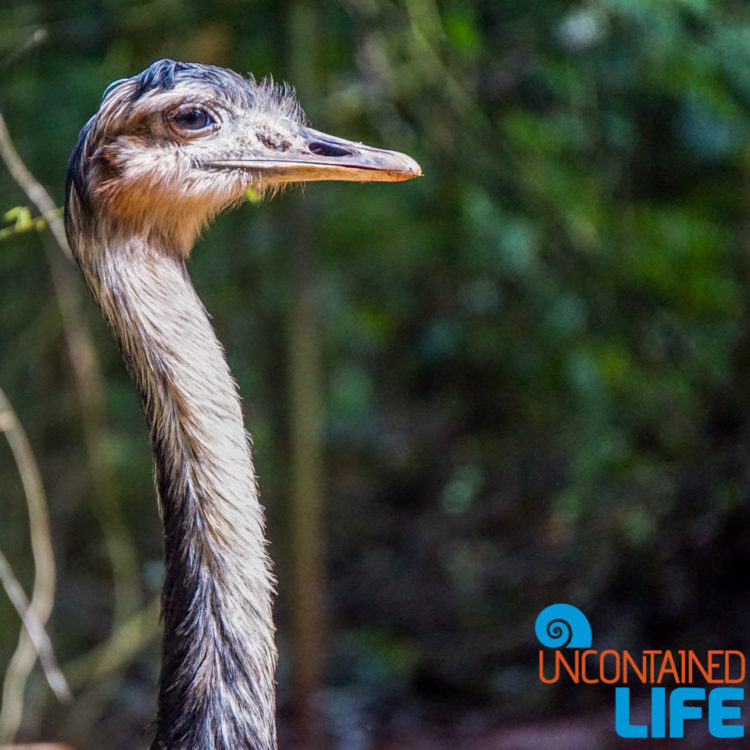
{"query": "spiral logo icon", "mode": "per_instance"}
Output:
(563, 626)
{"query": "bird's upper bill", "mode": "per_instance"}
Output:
(303, 155)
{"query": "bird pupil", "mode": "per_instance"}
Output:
(193, 119)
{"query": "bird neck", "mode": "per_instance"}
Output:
(217, 677)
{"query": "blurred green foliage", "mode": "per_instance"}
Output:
(536, 357)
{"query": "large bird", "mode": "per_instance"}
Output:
(167, 150)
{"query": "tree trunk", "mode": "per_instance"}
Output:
(307, 408)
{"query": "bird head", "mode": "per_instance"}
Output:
(173, 146)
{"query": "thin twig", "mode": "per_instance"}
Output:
(29, 184)
(89, 385)
(35, 629)
(38, 37)
(44, 570)
(91, 675)
(37, 224)
(88, 379)
(128, 639)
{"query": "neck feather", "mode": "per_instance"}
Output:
(217, 678)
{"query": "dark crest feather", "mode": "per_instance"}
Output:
(159, 74)
(76, 176)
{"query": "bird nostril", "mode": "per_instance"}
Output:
(326, 149)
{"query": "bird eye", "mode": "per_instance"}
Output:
(193, 119)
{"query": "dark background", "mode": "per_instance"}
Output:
(533, 361)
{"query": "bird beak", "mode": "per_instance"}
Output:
(312, 155)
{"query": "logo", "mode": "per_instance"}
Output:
(565, 633)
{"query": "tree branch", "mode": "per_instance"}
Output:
(44, 570)
(35, 629)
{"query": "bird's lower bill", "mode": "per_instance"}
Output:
(274, 171)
